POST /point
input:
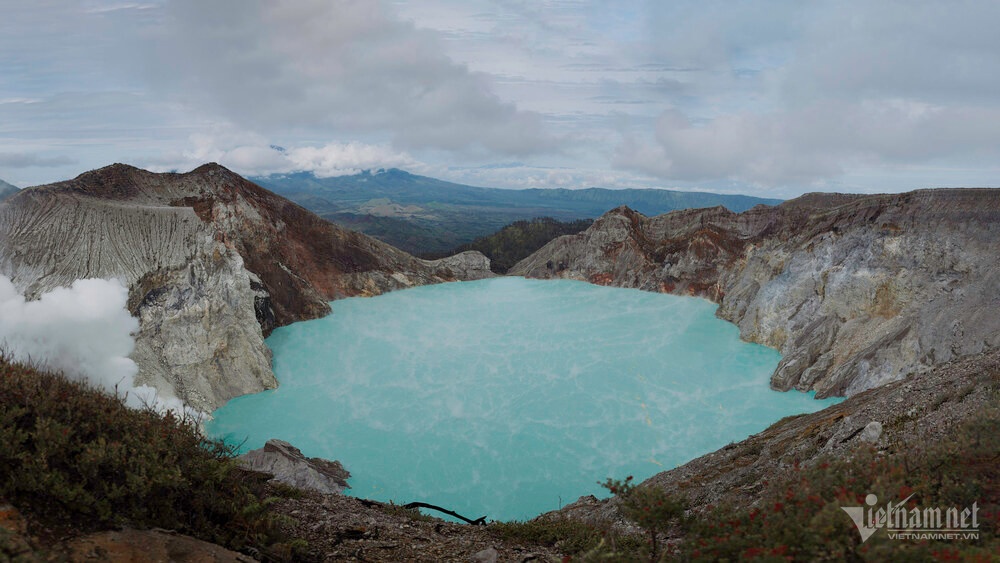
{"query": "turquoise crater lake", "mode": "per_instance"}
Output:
(508, 397)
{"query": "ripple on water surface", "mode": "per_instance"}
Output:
(507, 397)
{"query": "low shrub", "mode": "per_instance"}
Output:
(75, 459)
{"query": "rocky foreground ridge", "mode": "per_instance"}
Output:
(855, 290)
(212, 261)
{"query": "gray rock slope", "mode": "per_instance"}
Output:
(855, 291)
(213, 263)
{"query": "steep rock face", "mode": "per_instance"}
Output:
(213, 263)
(855, 291)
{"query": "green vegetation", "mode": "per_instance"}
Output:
(76, 460)
(424, 215)
(650, 507)
(517, 241)
(419, 236)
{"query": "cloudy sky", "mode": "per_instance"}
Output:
(773, 98)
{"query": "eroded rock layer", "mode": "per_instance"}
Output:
(213, 263)
(855, 291)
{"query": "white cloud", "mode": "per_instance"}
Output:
(252, 155)
(798, 95)
(344, 65)
(523, 176)
(810, 144)
(26, 160)
(337, 159)
(942, 53)
(83, 331)
(463, 83)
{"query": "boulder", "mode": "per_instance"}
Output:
(291, 467)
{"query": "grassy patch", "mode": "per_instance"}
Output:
(75, 459)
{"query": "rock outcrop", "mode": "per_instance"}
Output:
(213, 263)
(130, 545)
(126, 545)
(855, 291)
(287, 464)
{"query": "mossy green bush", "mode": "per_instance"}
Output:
(75, 459)
(652, 508)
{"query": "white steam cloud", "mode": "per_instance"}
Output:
(83, 331)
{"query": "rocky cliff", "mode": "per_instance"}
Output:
(213, 263)
(855, 291)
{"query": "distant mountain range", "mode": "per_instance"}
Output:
(427, 216)
(7, 190)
